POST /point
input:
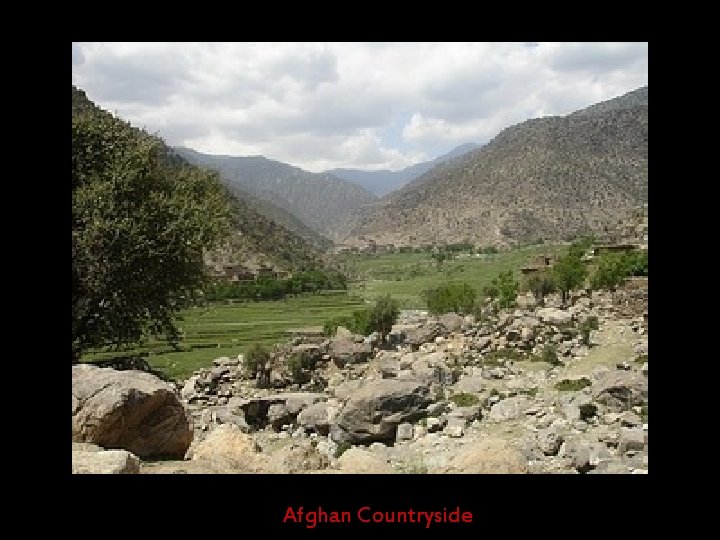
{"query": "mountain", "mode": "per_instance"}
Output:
(320, 200)
(255, 240)
(543, 179)
(383, 182)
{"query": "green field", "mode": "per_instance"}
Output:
(224, 329)
(406, 275)
(229, 329)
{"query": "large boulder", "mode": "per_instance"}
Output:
(424, 333)
(509, 409)
(361, 461)
(91, 459)
(488, 456)
(299, 456)
(374, 411)
(132, 410)
(554, 316)
(452, 322)
(351, 349)
(227, 449)
(318, 417)
(619, 390)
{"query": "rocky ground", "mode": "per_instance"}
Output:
(445, 395)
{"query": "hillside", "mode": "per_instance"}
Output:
(320, 200)
(383, 182)
(256, 239)
(543, 179)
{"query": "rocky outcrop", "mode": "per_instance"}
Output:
(226, 448)
(361, 461)
(373, 411)
(349, 349)
(130, 410)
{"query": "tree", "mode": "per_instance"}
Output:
(569, 273)
(541, 284)
(383, 315)
(457, 297)
(140, 223)
(507, 288)
(439, 257)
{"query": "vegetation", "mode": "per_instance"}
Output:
(208, 332)
(587, 411)
(569, 272)
(383, 315)
(541, 284)
(463, 399)
(612, 268)
(572, 385)
(342, 448)
(379, 318)
(457, 297)
(588, 325)
(300, 366)
(548, 354)
(140, 223)
(507, 289)
(255, 359)
(266, 288)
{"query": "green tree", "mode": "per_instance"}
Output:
(140, 224)
(507, 288)
(457, 297)
(609, 272)
(439, 257)
(569, 273)
(383, 315)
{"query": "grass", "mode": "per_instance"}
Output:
(463, 399)
(406, 275)
(230, 329)
(572, 385)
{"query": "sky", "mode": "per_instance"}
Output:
(370, 106)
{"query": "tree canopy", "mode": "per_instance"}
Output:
(140, 223)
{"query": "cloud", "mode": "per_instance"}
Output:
(368, 105)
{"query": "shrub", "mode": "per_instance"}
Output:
(342, 448)
(572, 385)
(463, 399)
(548, 354)
(541, 284)
(457, 297)
(569, 273)
(588, 325)
(641, 359)
(300, 367)
(382, 316)
(587, 411)
(255, 359)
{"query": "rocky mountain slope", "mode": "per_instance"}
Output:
(546, 178)
(255, 238)
(320, 200)
(383, 182)
(449, 395)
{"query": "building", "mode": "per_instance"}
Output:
(537, 264)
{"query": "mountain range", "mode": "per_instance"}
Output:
(384, 181)
(546, 178)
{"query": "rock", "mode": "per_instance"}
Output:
(630, 419)
(404, 432)
(226, 361)
(488, 456)
(471, 384)
(481, 343)
(585, 455)
(631, 439)
(297, 457)
(620, 390)
(132, 410)
(99, 461)
(549, 441)
(452, 322)
(435, 424)
(190, 387)
(455, 427)
(349, 350)
(554, 316)
(228, 448)
(509, 409)
(374, 410)
(423, 334)
(361, 461)
(318, 417)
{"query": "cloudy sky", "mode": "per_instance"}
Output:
(361, 105)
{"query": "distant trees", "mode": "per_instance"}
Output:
(506, 288)
(612, 268)
(139, 227)
(379, 318)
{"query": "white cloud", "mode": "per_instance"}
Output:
(324, 105)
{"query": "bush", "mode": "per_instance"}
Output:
(589, 324)
(300, 367)
(342, 448)
(463, 399)
(457, 297)
(569, 273)
(541, 284)
(382, 316)
(572, 385)
(587, 411)
(255, 359)
(549, 355)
